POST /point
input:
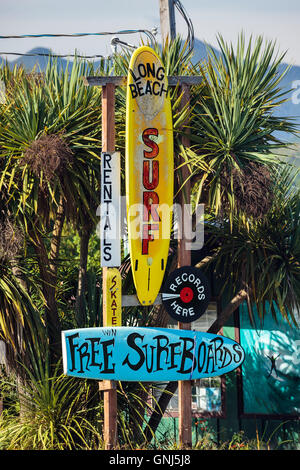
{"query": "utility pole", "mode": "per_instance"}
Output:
(167, 20)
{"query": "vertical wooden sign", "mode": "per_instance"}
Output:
(113, 297)
(110, 210)
(109, 387)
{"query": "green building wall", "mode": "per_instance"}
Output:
(262, 430)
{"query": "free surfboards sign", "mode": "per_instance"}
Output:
(149, 171)
(147, 354)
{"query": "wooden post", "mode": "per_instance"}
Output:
(167, 20)
(184, 256)
(110, 392)
(184, 259)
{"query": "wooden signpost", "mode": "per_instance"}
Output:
(108, 387)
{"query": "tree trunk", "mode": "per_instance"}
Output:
(84, 249)
(159, 410)
(228, 311)
(56, 237)
(48, 265)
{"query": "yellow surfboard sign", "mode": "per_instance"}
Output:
(149, 171)
(113, 297)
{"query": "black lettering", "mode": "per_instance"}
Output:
(237, 349)
(160, 74)
(131, 343)
(155, 93)
(148, 88)
(72, 347)
(94, 351)
(160, 349)
(105, 242)
(187, 353)
(140, 89)
(202, 347)
(142, 70)
(173, 353)
(107, 223)
(133, 75)
(210, 357)
(107, 160)
(163, 90)
(83, 354)
(106, 176)
(218, 348)
(133, 90)
(226, 353)
(150, 69)
(149, 368)
(107, 193)
(107, 252)
(106, 355)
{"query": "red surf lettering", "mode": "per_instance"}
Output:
(150, 182)
(148, 236)
(150, 143)
(150, 185)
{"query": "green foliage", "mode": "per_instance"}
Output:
(262, 255)
(58, 413)
(54, 103)
(54, 119)
(233, 121)
(17, 309)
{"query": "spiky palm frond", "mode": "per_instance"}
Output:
(233, 121)
(262, 256)
(21, 325)
(59, 413)
(177, 63)
(58, 104)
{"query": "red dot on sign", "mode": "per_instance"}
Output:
(186, 294)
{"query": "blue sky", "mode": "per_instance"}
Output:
(275, 19)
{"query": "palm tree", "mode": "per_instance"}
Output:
(258, 259)
(233, 122)
(50, 135)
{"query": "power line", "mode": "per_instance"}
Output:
(114, 42)
(190, 35)
(55, 55)
(150, 34)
